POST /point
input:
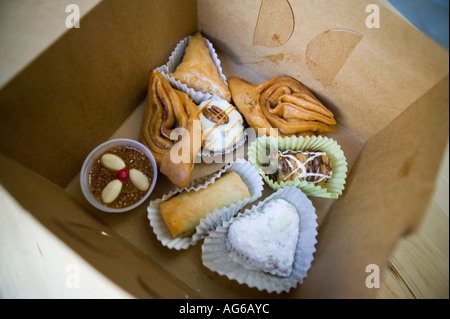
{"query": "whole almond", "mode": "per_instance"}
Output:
(113, 162)
(139, 179)
(111, 191)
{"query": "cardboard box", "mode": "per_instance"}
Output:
(387, 86)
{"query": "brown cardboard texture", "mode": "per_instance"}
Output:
(387, 86)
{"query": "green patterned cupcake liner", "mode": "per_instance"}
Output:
(260, 150)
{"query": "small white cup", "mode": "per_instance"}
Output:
(84, 175)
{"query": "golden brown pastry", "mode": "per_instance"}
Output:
(282, 103)
(166, 109)
(198, 71)
(246, 100)
(182, 213)
(314, 167)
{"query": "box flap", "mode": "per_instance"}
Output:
(366, 76)
(387, 193)
(27, 28)
(81, 89)
(97, 243)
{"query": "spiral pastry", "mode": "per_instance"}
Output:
(281, 103)
(167, 109)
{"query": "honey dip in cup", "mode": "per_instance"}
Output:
(118, 175)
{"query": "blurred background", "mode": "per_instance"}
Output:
(429, 16)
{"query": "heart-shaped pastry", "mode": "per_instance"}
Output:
(266, 240)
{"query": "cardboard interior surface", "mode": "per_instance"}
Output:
(99, 71)
(387, 87)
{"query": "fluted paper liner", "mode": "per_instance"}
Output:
(175, 59)
(250, 177)
(335, 185)
(216, 257)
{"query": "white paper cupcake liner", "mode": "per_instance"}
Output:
(216, 256)
(175, 59)
(249, 175)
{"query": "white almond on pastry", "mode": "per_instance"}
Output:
(112, 161)
(111, 191)
(139, 179)
(266, 240)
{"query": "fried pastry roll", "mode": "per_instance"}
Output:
(182, 213)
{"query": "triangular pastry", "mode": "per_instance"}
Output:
(198, 71)
(246, 100)
(167, 109)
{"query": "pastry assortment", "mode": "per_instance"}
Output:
(291, 155)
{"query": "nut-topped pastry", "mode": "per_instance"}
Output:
(120, 177)
(315, 164)
(221, 124)
(311, 166)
